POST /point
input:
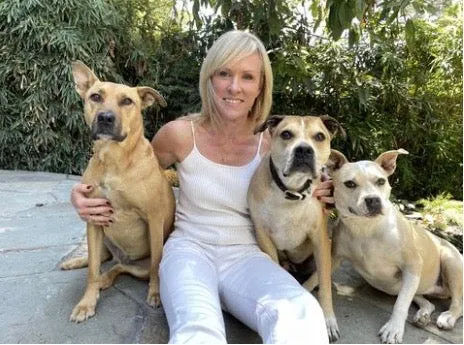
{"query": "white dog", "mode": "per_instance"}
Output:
(389, 252)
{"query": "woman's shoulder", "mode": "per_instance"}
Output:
(176, 128)
(173, 141)
(175, 132)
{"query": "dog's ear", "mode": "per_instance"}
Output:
(387, 160)
(336, 161)
(83, 76)
(333, 126)
(150, 96)
(271, 122)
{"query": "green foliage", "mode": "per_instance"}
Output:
(41, 125)
(443, 217)
(393, 79)
(443, 207)
(388, 93)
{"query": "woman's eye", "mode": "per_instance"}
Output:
(248, 77)
(350, 184)
(222, 73)
(95, 97)
(286, 135)
(126, 101)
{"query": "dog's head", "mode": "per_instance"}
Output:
(361, 188)
(300, 144)
(112, 111)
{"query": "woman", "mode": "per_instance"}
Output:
(211, 262)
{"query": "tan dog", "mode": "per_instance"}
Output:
(124, 170)
(289, 222)
(390, 252)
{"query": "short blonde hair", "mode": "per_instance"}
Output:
(234, 46)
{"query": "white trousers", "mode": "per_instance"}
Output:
(197, 280)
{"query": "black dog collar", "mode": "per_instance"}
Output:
(289, 194)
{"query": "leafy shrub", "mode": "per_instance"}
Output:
(41, 122)
(400, 86)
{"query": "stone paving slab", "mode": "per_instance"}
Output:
(39, 227)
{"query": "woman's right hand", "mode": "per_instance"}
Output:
(95, 210)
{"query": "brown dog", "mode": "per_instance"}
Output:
(289, 222)
(124, 170)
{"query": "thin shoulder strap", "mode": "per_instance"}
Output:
(193, 134)
(259, 143)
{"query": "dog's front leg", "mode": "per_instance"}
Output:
(313, 280)
(323, 264)
(265, 244)
(392, 332)
(86, 306)
(156, 250)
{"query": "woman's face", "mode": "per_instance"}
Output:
(236, 86)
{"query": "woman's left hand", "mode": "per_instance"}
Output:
(324, 193)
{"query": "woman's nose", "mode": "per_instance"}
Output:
(234, 85)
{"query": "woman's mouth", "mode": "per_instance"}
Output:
(232, 100)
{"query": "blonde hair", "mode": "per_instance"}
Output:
(233, 46)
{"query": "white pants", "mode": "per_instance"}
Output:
(198, 279)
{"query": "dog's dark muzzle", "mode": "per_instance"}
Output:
(105, 125)
(303, 159)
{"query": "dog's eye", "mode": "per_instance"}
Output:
(381, 181)
(126, 101)
(350, 184)
(95, 97)
(319, 137)
(286, 135)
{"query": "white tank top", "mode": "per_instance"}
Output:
(212, 203)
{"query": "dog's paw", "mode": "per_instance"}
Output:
(153, 299)
(82, 312)
(332, 328)
(422, 318)
(446, 320)
(74, 263)
(392, 332)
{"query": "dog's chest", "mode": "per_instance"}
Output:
(112, 189)
(129, 229)
(290, 222)
(376, 259)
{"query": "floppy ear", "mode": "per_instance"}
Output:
(150, 96)
(84, 78)
(333, 126)
(387, 160)
(271, 122)
(336, 161)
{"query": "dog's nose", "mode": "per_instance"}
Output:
(304, 151)
(106, 117)
(373, 204)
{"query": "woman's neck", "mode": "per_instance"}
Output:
(230, 131)
(230, 144)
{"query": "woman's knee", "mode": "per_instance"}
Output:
(294, 319)
(297, 307)
(197, 328)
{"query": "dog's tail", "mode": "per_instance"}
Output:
(171, 176)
